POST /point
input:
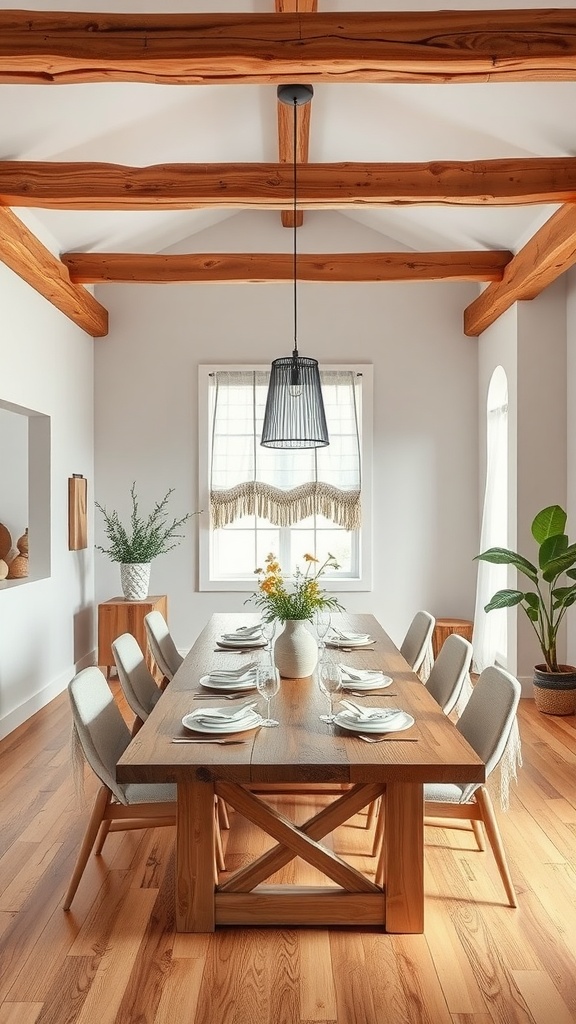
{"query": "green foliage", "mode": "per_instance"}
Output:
(144, 538)
(545, 606)
(303, 598)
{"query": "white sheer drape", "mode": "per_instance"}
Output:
(489, 636)
(282, 486)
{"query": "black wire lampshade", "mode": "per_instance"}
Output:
(294, 415)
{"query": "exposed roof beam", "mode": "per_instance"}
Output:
(101, 268)
(549, 253)
(286, 118)
(34, 263)
(95, 186)
(188, 49)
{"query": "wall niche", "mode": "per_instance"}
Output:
(24, 492)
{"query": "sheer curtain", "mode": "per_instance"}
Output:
(490, 632)
(282, 486)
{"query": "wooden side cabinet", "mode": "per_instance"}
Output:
(444, 627)
(119, 616)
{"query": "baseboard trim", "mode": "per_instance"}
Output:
(21, 714)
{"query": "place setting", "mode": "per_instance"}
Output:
(371, 724)
(346, 640)
(245, 638)
(229, 681)
(218, 725)
(357, 680)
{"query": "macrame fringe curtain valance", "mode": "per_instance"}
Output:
(282, 486)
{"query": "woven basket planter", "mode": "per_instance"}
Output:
(135, 580)
(555, 692)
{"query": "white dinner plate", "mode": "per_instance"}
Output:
(242, 725)
(246, 643)
(380, 683)
(228, 685)
(400, 721)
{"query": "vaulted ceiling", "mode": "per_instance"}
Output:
(126, 135)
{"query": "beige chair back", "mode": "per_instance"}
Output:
(450, 671)
(418, 639)
(101, 730)
(161, 644)
(136, 680)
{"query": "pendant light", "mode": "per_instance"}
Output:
(294, 416)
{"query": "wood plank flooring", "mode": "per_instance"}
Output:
(115, 958)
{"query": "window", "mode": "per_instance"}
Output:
(285, 501)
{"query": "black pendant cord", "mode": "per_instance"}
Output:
(294, 263)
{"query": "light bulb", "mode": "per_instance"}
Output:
(295, 390)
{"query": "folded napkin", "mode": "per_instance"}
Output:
(220, 716)
(247, 673)
(367, 714)
(244, 633)
(340, 635)
(360, 675)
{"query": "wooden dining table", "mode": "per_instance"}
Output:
(306, 751)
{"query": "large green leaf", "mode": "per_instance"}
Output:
(503, 556)
(504, 599)
(532, 599)
(564, 596)
(560, 564)
(552, 547)
(548, 523)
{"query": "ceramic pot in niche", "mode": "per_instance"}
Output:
(135, 580)
(295, 650)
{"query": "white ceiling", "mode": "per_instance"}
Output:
(148, 124)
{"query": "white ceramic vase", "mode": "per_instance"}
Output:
(135, 580)
(295, 650)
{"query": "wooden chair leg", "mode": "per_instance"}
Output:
(223, 814)
(100, 804)
(494, 838)
(371, 814)
(164, 682)
(219, 856)
(479, 834)
(104, 830)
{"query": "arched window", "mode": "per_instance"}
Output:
(490, 629)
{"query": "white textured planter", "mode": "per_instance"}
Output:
(295, 650)
(135, 580)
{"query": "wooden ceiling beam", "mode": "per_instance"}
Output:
(549, 253)
(34, 263)
(99, 186)
(193, 49)
(123, 268)
(286, 118)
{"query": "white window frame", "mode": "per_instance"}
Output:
(363, 582)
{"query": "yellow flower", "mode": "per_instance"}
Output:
(310, 558)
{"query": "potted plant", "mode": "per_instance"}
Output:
(293, 603)
(136, 545)
(545, 603)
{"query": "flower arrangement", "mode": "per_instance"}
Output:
(145, 538)
(304, 596)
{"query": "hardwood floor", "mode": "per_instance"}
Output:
(115, 959)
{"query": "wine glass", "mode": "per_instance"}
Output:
(268, 632)
(268, 684)
(329, 681)
(322, 620)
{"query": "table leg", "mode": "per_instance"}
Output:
(195, 857)
(404, 856)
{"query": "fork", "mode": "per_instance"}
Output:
(218, 696)
(388, 739)
(370, 693)
(184, 739)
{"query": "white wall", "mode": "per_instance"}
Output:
(425, 398)
(529, 341)
(47, 626)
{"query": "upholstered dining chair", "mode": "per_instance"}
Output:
(102, 736)
(137, 682)
(162, 646)
(486, 722)
(450, 671)
(418, 640)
